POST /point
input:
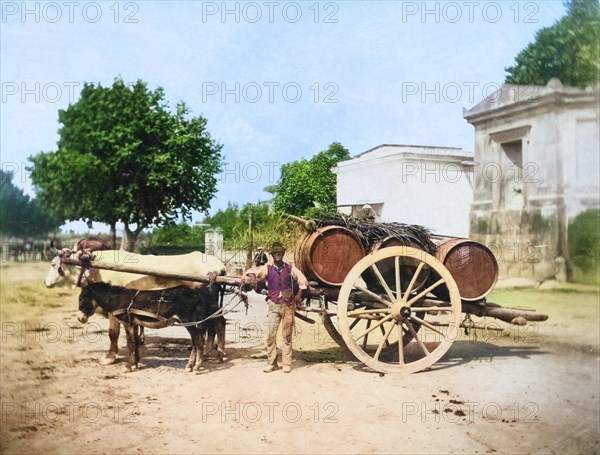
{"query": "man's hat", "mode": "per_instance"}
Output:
(277, 247)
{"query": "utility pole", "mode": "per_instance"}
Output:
(251, 245)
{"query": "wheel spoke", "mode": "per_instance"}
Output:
(425, 292)
(414, 334)
(397, 270)
(353, 324)
(386, 335)
(413, 280)
(387, 343)
(375, 296)
(426, 324)
(355, 313)
(381, 280)
(370, 329)
(400, 344)
(364, 346)
(426, 309)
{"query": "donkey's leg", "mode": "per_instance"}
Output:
(138, 343)
(192, 360)
(210, 338)
(220, 329)
(114, 328)
(133, 356)
(142, 336)
(200, 347)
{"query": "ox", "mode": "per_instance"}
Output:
(196, 263)
(164, 307)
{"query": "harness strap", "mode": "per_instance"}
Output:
(164, 322)
(133, 312)
(220, 312)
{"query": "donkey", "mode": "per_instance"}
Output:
(61, 274)
(164, 307)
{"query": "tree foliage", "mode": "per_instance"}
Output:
(584, 246)
(308, 187)
(250, 224)
(181, 234)
(122, 156)
(568, 50)
(21, 216)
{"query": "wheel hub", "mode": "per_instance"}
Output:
(401, 313)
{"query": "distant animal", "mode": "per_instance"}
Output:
(61, 274)
(163, 307)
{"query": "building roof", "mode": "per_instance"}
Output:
(510, 97)
(392, 149)
(401, 151)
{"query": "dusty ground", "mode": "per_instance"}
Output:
(523, 391)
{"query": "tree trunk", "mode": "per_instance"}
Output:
(113, 233)
(130, 238)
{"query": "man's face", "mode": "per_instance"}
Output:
(278, 256)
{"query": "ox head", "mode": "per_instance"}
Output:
(87, 304)
(60, 274)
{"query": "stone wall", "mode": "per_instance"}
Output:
(525, 243)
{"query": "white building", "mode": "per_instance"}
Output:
(430, 186)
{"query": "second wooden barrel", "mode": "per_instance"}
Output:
(327, 254)
(472, 265)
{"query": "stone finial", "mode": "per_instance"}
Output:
(554, 85)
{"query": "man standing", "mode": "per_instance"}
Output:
(284, 285)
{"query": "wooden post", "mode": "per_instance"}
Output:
(308, 225)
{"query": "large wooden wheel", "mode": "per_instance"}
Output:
(386, 297)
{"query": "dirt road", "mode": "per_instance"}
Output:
(529, 390)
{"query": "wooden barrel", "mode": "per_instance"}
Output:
(387, 242)
(472, 265)
(327, 254)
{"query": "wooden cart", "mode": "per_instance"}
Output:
(397, 308)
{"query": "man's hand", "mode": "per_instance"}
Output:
(248, 283)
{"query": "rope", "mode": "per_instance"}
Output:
(220, 312)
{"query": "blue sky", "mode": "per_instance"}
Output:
(277, 81)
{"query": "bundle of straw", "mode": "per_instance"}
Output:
(370, 232)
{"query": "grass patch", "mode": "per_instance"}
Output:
(22, 288)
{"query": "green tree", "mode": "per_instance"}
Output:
(122, 156)
(243, 227)
(21, 216)
(568, 50)
(584, 246)
(225, 219)
(181, 234)
(308, 187)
